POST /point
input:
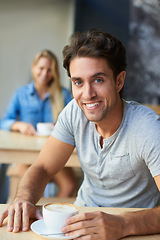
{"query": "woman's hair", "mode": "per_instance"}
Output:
(94, 43)
(54, 86)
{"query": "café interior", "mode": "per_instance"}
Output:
(30, 26)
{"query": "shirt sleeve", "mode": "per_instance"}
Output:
(149, 144)
(11, 114)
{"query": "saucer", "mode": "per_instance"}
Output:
(42, 135)
(39, 228)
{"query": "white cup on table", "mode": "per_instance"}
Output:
(44, 128)
(55, 215)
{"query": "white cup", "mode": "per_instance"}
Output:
(55, 215)
(45, 129)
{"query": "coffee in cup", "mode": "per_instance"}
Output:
(55, 215)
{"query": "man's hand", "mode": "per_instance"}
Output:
(95, 225)
(19, 214)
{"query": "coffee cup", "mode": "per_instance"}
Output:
(55, 215)
(44, 129)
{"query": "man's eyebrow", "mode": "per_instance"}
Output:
(73, 79)
(99, 74)
(93, 76)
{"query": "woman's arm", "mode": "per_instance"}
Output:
(11, 113)
(23, 127)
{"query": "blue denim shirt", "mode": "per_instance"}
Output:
(26, 106)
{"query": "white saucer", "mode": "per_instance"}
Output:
(39, 228)
(42, 135)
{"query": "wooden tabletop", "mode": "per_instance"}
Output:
(29, 235)
(156, 108)
(19, 148)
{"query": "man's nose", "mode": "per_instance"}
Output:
(89, 92)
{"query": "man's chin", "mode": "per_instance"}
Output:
(92, 118)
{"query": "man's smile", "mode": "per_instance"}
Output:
(91, 105)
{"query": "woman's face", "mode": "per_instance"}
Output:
(42, 72)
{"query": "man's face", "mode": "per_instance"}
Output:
(93, 87)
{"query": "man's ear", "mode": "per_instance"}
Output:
(120, 80)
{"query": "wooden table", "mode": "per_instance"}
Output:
(156, 108)
(18, 148)
(4, 235)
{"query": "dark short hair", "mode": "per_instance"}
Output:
(94, 43)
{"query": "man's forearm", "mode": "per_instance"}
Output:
(31, 186)
(142, 222)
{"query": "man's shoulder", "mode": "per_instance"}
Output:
(139, 108)
(73, 113)
(73, 105)
(141, 116)
(72, 109)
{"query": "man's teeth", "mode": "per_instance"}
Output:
(92, 104)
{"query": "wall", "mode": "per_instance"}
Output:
(25, 28)
(143, 72)
(136, 23)
(107, 15)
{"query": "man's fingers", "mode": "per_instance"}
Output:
(17, 220)
(86, 224)
(10, 219)
(83, 222)
(38, 214)
(83, 231)
(89, 237)
(19, 214)
(81, 217)
(25, 218)
(3, 216)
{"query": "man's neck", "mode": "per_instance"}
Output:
(109, 125)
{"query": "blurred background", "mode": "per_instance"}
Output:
(27, 27)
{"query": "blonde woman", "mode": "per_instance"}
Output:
(40, 101)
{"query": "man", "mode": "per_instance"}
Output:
(117, 143)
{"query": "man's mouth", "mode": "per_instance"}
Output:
(92, 105)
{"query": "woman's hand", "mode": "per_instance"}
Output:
(23, 127)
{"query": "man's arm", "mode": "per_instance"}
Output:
(108, 226)
(146, 221)
(51, 159)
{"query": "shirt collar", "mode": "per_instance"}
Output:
(31, 88)
(33, 91)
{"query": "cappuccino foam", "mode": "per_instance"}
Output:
(61, 208)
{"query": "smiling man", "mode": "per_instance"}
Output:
(117, 142)
(95, 91)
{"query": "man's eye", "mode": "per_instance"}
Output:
(98, 80)
(78, 83)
